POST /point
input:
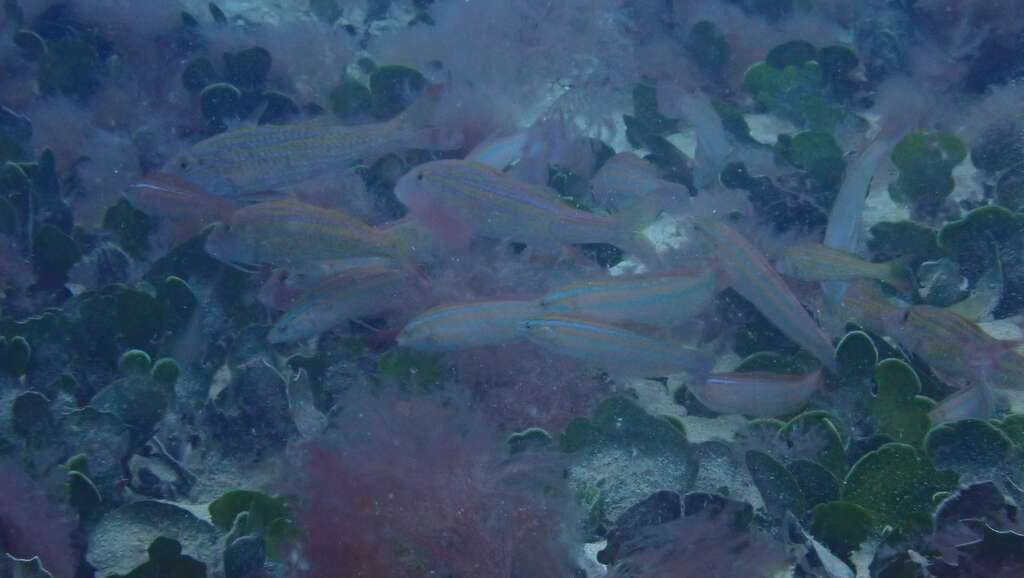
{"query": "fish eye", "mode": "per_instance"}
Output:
(419, 176)
(183, 163)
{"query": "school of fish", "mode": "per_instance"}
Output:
(234, 187)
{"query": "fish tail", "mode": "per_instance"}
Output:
(900, 275)
(633, 221)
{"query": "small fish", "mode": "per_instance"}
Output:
(249, 161)
(714, 147)
(183, 208)
(958, 351)
(816, 262)
(349, 295)
(846, 219)
(466, 325)
(618, 351)
(626, 180)
(292, 234)
(169, 197)
(750, 275)
(657, 300)
(462, 199)
(759, 394)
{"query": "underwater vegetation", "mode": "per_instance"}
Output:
(511, 288)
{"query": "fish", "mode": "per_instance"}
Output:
(657, 300)
(626, 180)
(461, 199)
(750, 275)
(293, 234)
(351, 294)
(181, 207)
(616, 350)
(846, 219)
(957, 350)
(175, 199)
(757, 393)
(246, 162)
(817, 262)
(714, 147)
(467, 325)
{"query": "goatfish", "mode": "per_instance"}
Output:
(463, 199)
(627, 180)
(182, 209)
(816, 262)
(176, 200)
(466, 325)
(290, 233)
(656, 300)
(957, 350)
(618, 351)
(756, 393)
(351, 294)
(246, 162)
(962, 355)
(749, 274)
(846, 219)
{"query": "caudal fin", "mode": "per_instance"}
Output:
(900, 275)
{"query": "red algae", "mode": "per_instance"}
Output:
(420, 485)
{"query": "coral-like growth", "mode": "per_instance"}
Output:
(31, 524)
(421, 487)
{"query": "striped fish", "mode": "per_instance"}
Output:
(290, 234)
(463, 199)
(816, 262)
(176, 200)
(618, 351)
(846, 219)
(351, 294)
(759, 394)
(466, 325)
(957, 350)
(750, 275)
(657, 300)
(247, 161)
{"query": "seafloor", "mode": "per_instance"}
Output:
(511, 288)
